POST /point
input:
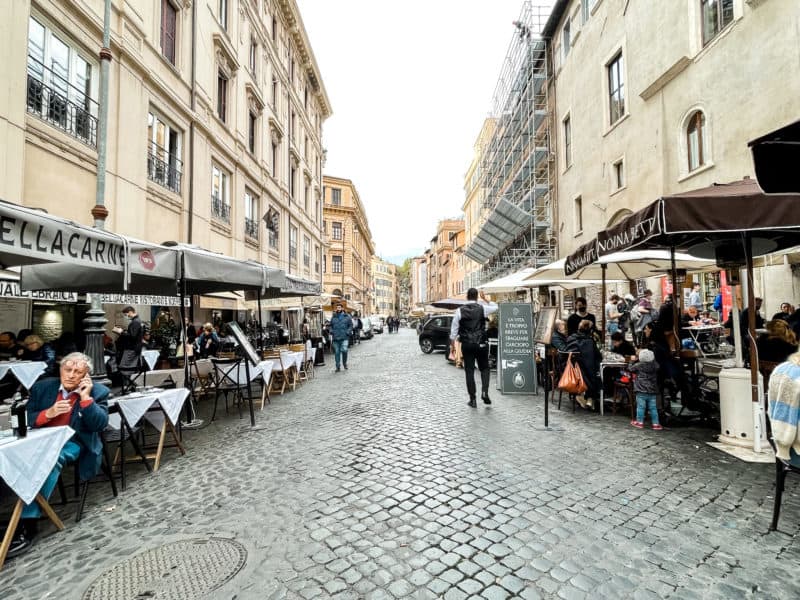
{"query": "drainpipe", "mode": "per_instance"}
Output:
(94, 325)
(190, 217)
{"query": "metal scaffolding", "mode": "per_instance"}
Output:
(517, 161)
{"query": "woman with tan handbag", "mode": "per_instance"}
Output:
(589, 361)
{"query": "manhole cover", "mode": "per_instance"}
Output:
(181, 570)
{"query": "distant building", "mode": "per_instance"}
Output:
(439, 256)
(347, 266)
(385, 290)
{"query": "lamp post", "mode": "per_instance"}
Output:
(94, 325)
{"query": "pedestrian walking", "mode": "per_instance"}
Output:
(469, 326)
(341, 330)
(645, 384)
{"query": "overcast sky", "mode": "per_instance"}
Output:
(410, 84)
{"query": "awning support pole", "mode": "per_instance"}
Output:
(603, 267)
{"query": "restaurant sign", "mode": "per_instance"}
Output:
(582, 257)
(11, 289)
(141, 299)
(44, 239)
(516, 359)
(630, 232)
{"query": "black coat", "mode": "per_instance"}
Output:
(589, 360)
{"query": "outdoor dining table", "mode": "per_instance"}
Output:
(705, 338)
(160, 408)
(25, 464)
(151, 357)
(26, 371)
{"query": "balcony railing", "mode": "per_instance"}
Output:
(251, 228)
(220, 210)
(167, 174)
(60, 103)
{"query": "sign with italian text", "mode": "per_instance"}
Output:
(516, 350)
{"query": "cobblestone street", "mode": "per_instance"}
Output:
(380, 482)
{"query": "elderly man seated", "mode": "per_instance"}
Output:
(72, 400)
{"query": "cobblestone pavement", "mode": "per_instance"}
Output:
(379, 482)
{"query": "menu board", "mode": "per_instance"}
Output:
(516, 349)
(237, 332)
(545, 321)
(14, 314)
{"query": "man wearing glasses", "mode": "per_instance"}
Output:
(75, 400)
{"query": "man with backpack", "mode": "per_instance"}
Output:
(469, 326)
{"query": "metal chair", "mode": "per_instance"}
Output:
(231, 376)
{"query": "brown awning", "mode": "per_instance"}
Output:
(583, 256)
(776, 157)
(698, 218)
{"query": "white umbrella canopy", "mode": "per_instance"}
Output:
(626, 266)
(523, 279)
(508, 283)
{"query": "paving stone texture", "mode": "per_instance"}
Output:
(379, 482)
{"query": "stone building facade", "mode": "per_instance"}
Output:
(384, 288)
(347, 266)
(215, 122)
(656, 98)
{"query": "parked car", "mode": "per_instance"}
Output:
(435, 334)
(366, 329)
(377, 324)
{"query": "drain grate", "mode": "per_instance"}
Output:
(177, 571)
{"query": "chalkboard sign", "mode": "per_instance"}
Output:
(237, 332)
(545, 321)
(516, 350)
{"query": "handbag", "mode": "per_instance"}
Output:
(572, 379)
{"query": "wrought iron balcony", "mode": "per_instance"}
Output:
(53, 99)
(162, 172)
(220, 210)
(251, 228)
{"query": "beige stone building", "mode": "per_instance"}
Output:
(419, 281)
(215, 122)
(384, 290)
(347, 266)
(653, 98)
(474, 207)
(456, 266)
(438, 258)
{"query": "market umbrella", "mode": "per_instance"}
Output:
(776, 157)
(448, 303)
(729, 223)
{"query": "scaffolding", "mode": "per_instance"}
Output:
(517, 162)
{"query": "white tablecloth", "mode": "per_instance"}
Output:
(135, 406)
(26, 371)
(25, 463)
(263, 369)
(151, 357)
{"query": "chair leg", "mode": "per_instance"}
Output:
(84, 490)
(61, 491)
(780, 478)
(107, 469)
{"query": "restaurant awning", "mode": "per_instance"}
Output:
(30, 237)
(299, 286)
(776, 157)
(152, 269)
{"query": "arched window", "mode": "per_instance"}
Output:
(696, 140)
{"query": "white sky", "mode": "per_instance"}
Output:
(410, 84)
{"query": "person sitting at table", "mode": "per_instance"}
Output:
(785, 313)
(621, 346)
(37, 350)
(690, 318)
(9, 348)
(559, 337)
(72, 400)
(208, 343)
(784, 409)
(589, 361)
(777, 343)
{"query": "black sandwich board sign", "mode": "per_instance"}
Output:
(516, 349)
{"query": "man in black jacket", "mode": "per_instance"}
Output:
(130, 343)
(469, 326)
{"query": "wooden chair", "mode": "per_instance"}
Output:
(280, 377)
(302, 373)
(623, 392)
(287, 362)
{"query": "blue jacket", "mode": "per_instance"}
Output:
(87, 422)
(341, 326)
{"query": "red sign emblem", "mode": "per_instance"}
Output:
(147, 260)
